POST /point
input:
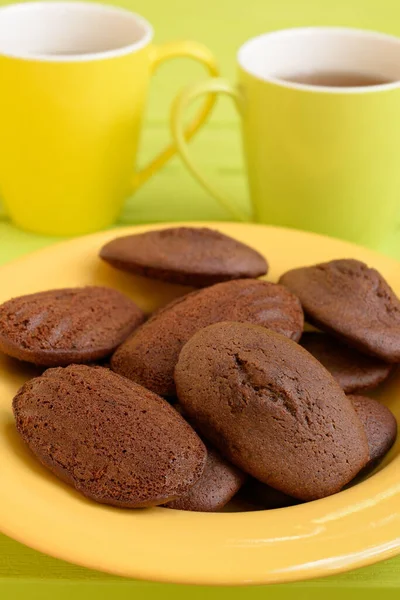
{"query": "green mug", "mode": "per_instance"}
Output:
(322, 157)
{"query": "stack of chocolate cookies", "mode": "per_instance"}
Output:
(217, 394)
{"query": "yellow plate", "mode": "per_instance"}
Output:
(353, 528)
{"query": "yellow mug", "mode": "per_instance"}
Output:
(323, 158)
(74, 80)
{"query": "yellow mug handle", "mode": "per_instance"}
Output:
(211, 86)
(179, 49)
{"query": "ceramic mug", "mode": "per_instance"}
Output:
(324, 159)
(74, 80)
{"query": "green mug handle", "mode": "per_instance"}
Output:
(211, 86)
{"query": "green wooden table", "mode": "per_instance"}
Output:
(173, 195)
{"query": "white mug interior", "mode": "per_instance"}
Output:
(70, 31)
(279, 55)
